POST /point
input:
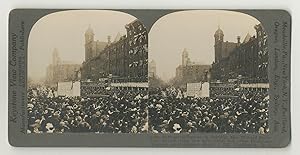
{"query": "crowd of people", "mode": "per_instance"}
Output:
(230, 111)
(166, 110)
(118, 112)
(95, 90)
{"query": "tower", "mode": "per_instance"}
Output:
(185, 57)
(219, 39)
(89, 40)
(152, 68)
(55, 57)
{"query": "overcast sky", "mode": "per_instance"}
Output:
(168, 37)
(193, 30)
(65, 31)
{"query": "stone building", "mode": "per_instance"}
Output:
(190, 72)
(60, 71)
(92, 47)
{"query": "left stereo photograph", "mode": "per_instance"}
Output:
(87, 72)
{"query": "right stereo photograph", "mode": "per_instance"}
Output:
(208, 72)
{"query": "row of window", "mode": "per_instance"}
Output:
(139, 49)
(132, 30)
(138, 39)
(139, 63)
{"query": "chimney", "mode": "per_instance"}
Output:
(239, 40)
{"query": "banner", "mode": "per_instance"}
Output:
(198, 90)
(68, 88)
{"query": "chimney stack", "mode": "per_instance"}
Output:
(238, 39)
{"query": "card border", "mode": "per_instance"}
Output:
(24, 19)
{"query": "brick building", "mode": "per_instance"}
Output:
(123, 60)
(247, 60)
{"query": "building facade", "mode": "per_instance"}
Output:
(60, 71)
(247, 60)
(190, 72)
(93, 47)
(123, 60)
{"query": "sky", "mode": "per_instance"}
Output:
(65, 31)
(168, 36)
(193, 30)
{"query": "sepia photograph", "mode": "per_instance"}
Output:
(87, 72)
(155, 78)
(208, 72)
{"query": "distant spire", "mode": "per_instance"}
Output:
(185, 57)
(55, 52)
(185, 52)
(219, 32)
(89, 30)
(55, 57)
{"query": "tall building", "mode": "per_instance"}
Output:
(185, 58)
(138, 51)
(247, 60)
(55, 57)
(152, 69)
(59, 70)
(92, 47)
(190, 72)
(222, 48)
(124, 60)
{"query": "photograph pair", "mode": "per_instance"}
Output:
(103, 71)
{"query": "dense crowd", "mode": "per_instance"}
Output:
(95, 90)
(231, 110)
(166, 110)
(118, 112)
